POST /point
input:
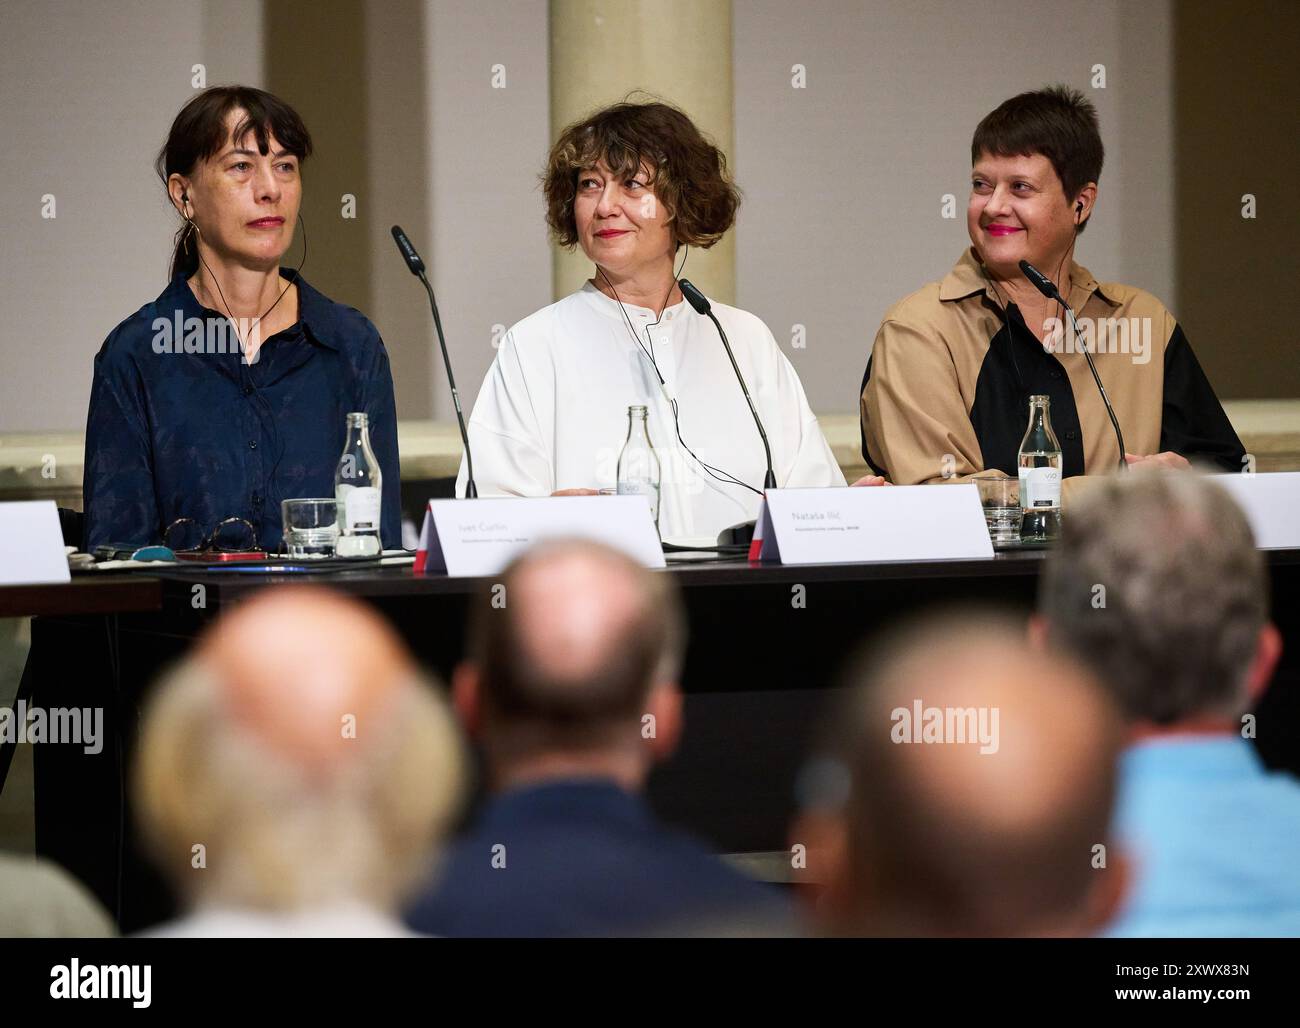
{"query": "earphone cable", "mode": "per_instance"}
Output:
(716, 473)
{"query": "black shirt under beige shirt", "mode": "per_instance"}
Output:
(946, 391)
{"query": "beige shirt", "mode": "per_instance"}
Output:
(947, 388)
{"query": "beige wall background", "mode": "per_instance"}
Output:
(845, 178)
(437, 116)
(89, 90)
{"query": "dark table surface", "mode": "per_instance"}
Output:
(142, 591)
(93, 593)
(224, 585)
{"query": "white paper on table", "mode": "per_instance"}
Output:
(481, 536)
(872, 524)
(31, 544)
(1271, 501)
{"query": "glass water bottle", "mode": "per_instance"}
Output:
(1040, 475)
(358, 482)
(638, 464)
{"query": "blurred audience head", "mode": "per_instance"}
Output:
(573, 664)
(298, 759)
(967, 790)
(1158, 587)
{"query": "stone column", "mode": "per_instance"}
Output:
(677, 50)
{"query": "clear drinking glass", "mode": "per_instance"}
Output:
(310, 527)
(1000, 498)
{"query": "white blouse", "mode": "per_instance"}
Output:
(552, 411)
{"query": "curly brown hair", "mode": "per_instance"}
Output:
(688, 173)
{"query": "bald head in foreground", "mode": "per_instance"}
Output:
(296, 771)
(968, 792)
(570, 688)
(575, 672)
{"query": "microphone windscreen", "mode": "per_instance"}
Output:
(412, 258)
(1040, 281)
(694, 297)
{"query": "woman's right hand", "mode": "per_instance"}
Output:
(576, 492)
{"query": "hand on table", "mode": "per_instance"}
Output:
(576, 492)
(871, 480)
(1168, 460)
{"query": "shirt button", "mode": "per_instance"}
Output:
(257, 499)
(1056, 373)
(1071, 435)
(248, 390)
(252, 444)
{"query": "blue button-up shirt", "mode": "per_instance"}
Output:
(181, 426)
(1215, 837)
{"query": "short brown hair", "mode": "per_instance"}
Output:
(1058, 122)
(689, 174)
(936, 845)
(556, 708)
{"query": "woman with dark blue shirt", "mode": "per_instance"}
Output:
(230, 391)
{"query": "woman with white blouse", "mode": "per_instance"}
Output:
(632, 185)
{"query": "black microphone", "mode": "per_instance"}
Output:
(1040, 282)
(702, 306)
(1048, 288)
(412, 258)
(417, 269)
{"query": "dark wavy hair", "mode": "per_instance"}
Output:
(199, 131)
(1058, 122)
(688, 173)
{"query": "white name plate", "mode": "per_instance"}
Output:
(482, 536)
(1272, 505)
(31, 544)
(873, 523)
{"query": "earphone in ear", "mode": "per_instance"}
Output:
(1078, 209)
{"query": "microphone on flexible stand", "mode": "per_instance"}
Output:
(416, 265)
(736, 536)
(1048, 288)
(702, 306)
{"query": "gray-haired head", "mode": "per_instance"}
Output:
(1157, 585)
